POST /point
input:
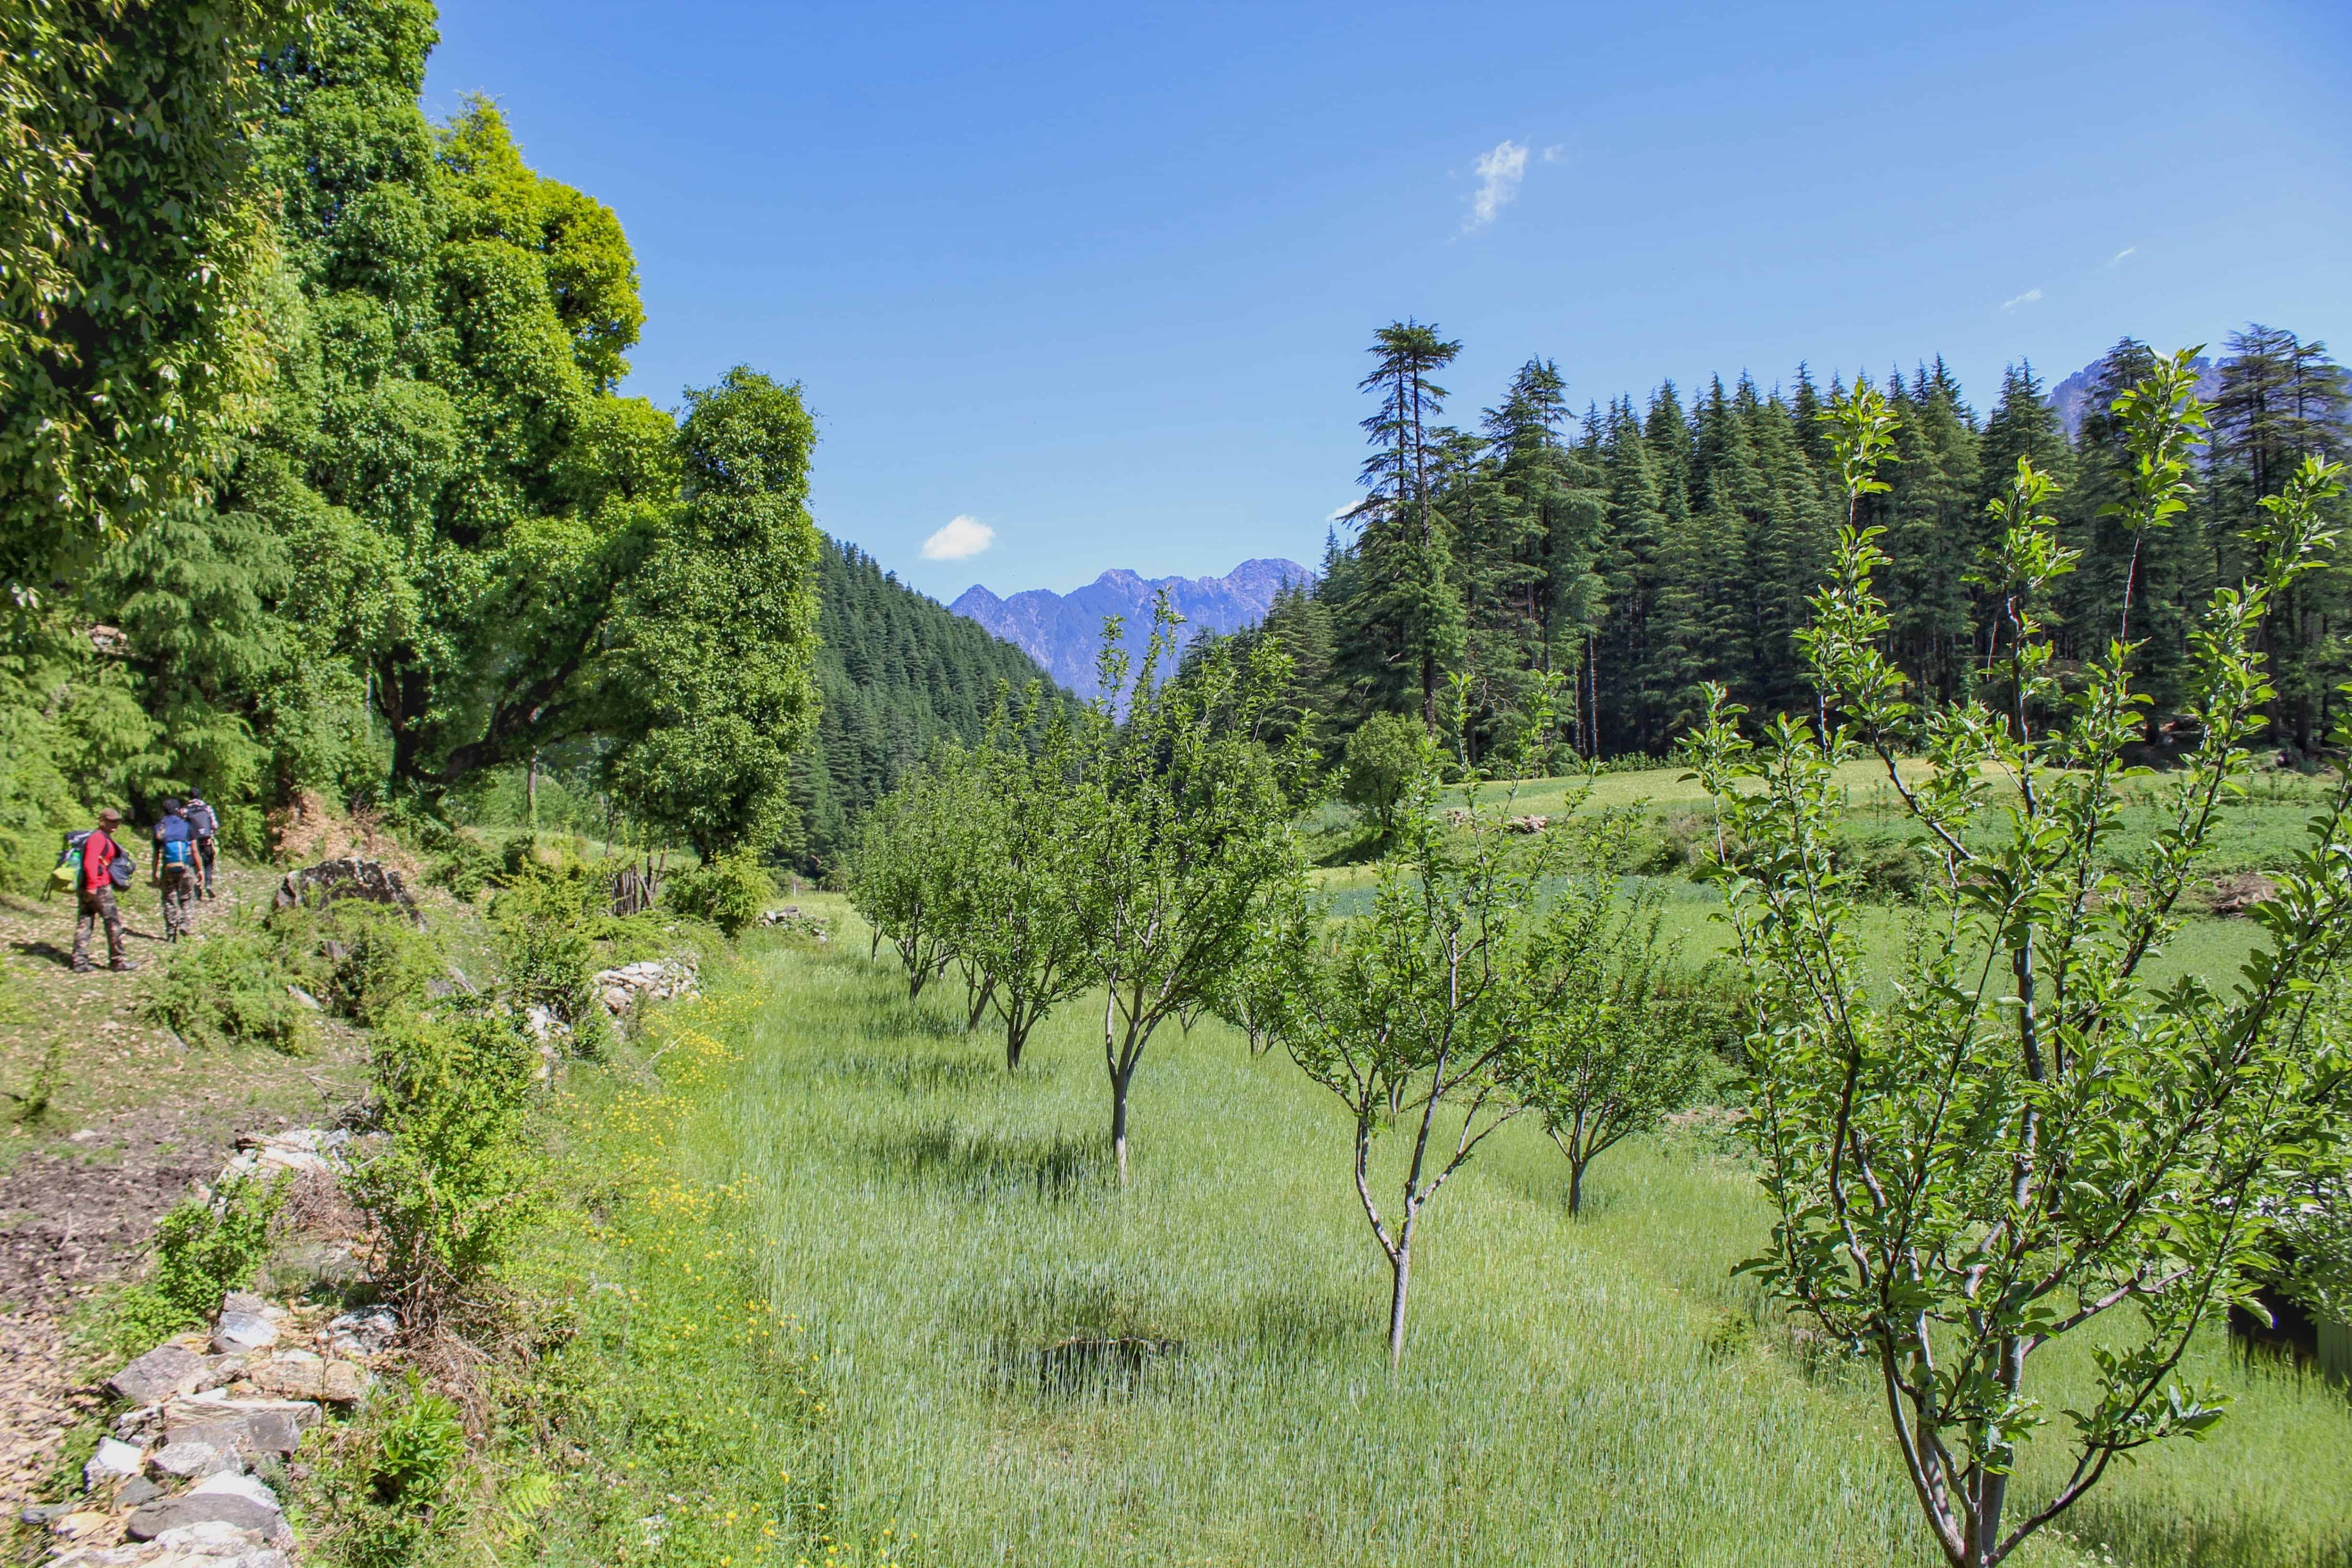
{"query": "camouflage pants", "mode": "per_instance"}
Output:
(179, 901)
(97, 907)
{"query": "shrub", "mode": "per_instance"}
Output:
(1886, 866)
(203, 1250)
(729, 893)
(456, 1182)
(544, 926)
(230, 989)
(379, 1497)
(377, 961)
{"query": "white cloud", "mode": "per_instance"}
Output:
(2027, 298)
(1342, 510)
(1499, 173)
(961, 538)
(2118, 259)
(1555, 152)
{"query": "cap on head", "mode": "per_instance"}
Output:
(111, 817)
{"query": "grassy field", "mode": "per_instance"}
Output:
(947, 1238)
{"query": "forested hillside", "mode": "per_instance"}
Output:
(1646, 548)
(897, 673)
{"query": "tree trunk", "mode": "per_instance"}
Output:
(980, 997)
(1120, 1078)
(1575, 1185)
(1401, 1273)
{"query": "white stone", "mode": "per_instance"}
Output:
(115, 1460)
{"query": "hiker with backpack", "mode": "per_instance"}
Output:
(202, 817)
(175, 868)
(101, 869)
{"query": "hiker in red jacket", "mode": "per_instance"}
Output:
(105, 866)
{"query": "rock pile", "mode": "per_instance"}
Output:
(621, 989)
(173, 1485)
(792, 923)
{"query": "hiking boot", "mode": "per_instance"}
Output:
(85, 967)
(123, 965)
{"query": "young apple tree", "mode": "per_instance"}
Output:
(2013, 1134)
(1623, 1038)
(1417, 1014)
(1183, 836)
(1029, 934)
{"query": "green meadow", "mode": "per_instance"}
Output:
(1022, 1364)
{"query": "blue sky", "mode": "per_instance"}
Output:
(1098, 279)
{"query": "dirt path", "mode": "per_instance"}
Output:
(136, 1116)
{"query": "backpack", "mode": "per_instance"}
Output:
(67, 877)
(121, 870)
(179, 852)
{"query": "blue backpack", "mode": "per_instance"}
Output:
(179, 852)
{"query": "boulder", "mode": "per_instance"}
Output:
(136, 1490)
(621, 989)
(207, 1545)
(240, 1426)
(304, 1149)
(300, 1375)
(365, 1332)
(189, 1459)
(246, 1322)
(231, 1483)
(166, 1514)
(350, 877)
(161, 1374)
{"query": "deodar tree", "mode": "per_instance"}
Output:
(2014, 1134)
(1184, 837)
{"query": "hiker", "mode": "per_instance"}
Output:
(175, 868)
(202, 817)
(106, 866)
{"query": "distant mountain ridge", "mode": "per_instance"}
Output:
(1063, 632)
(2071, 398)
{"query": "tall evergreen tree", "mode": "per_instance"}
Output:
(1408, 626)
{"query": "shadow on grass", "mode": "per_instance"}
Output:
(1084, 1337)
(1053, 1167)
(909, 1074)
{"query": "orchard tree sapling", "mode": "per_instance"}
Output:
(2017, 1133)
(1623, 1038)
(1028, 931)
(1182, 836)
(1418, 1014)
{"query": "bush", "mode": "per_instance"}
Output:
(1885, 866)
(729, 893)
(457, 1181)
(230, 989)
(377, 963)
(1384, 756)
(379, 1497)
(201, 1252)
(544, 925)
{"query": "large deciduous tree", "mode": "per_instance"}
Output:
(718, 641)
(136, 253)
